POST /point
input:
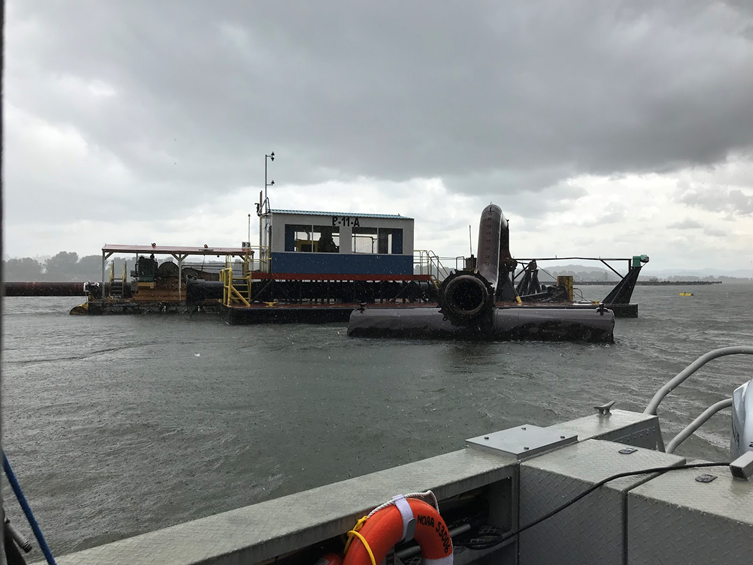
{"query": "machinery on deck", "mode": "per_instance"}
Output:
(481, 302)
(155, 286)
(468, 297)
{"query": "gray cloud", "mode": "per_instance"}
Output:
(610, 214)
(686, 224)
(717, 199)
(715, 232)
(503, 99)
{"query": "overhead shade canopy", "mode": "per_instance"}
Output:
(180, 253)
(173, 250)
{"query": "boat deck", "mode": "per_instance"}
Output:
(653, 518)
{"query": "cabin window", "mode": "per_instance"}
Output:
(365, 240)
(312, 239)
(327, 239)
(387, 241)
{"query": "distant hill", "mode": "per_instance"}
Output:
(583, 273)
(578, 272)
(63, 267)
(703, 273)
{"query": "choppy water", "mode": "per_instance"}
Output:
(120, 425)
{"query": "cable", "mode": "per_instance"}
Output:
(594, 487)
(601, 483)
(548, 273)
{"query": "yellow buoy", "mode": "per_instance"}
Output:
(686, 294)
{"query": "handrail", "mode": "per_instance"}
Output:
(653, 405)
(430, 264)
(697, 423)
(262, 257)
(224, 277)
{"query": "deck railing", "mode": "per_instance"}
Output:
(259, 259)
(426, 262)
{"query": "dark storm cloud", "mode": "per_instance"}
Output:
(495, 97)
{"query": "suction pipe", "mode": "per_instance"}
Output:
(467, 298)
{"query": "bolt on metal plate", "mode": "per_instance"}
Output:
(523, 441)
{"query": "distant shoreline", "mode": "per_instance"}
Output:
(648, 283)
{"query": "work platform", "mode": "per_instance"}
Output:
(317, 312)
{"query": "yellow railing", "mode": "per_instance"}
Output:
(231, 295)
(428, 263)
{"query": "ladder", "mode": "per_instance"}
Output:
(428, 263)
(236, 289)
(117, 287)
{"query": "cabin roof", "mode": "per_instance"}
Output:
(350, 214)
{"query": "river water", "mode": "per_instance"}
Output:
(124, 424)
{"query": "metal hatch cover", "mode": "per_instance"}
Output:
(523, 441)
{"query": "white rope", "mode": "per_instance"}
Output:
(427, 497)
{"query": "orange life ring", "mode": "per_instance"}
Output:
(390, 525)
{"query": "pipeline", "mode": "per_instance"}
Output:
(545, 323)
(466, 298)
(43, 288)
(198, 290)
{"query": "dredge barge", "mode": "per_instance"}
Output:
(321, 267)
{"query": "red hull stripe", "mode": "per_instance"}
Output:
(336, 277)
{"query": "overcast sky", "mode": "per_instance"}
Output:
(607, 128)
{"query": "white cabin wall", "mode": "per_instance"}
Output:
(408, 245)
(346, 239)
(279, 221)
